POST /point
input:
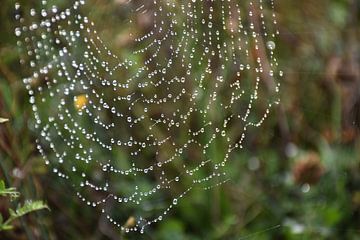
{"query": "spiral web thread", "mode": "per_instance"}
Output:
(107, 123)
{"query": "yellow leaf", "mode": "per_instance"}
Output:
(130, 222)
(80, 101)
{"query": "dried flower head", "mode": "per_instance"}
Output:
(308, 169)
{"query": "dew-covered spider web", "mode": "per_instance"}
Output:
(133, 131)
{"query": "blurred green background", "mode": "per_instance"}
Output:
(298, 179)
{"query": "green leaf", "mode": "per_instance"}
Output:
(5, 227)
(12, 212)
(8, 191)
(30, 206)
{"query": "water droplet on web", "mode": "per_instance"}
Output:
(270, 45)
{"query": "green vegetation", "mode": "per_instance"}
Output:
(298, 176)
(21, 210)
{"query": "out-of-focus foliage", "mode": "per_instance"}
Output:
(28, 207)
(297, 177)
(8, 192)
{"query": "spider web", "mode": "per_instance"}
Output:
(135, 135)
